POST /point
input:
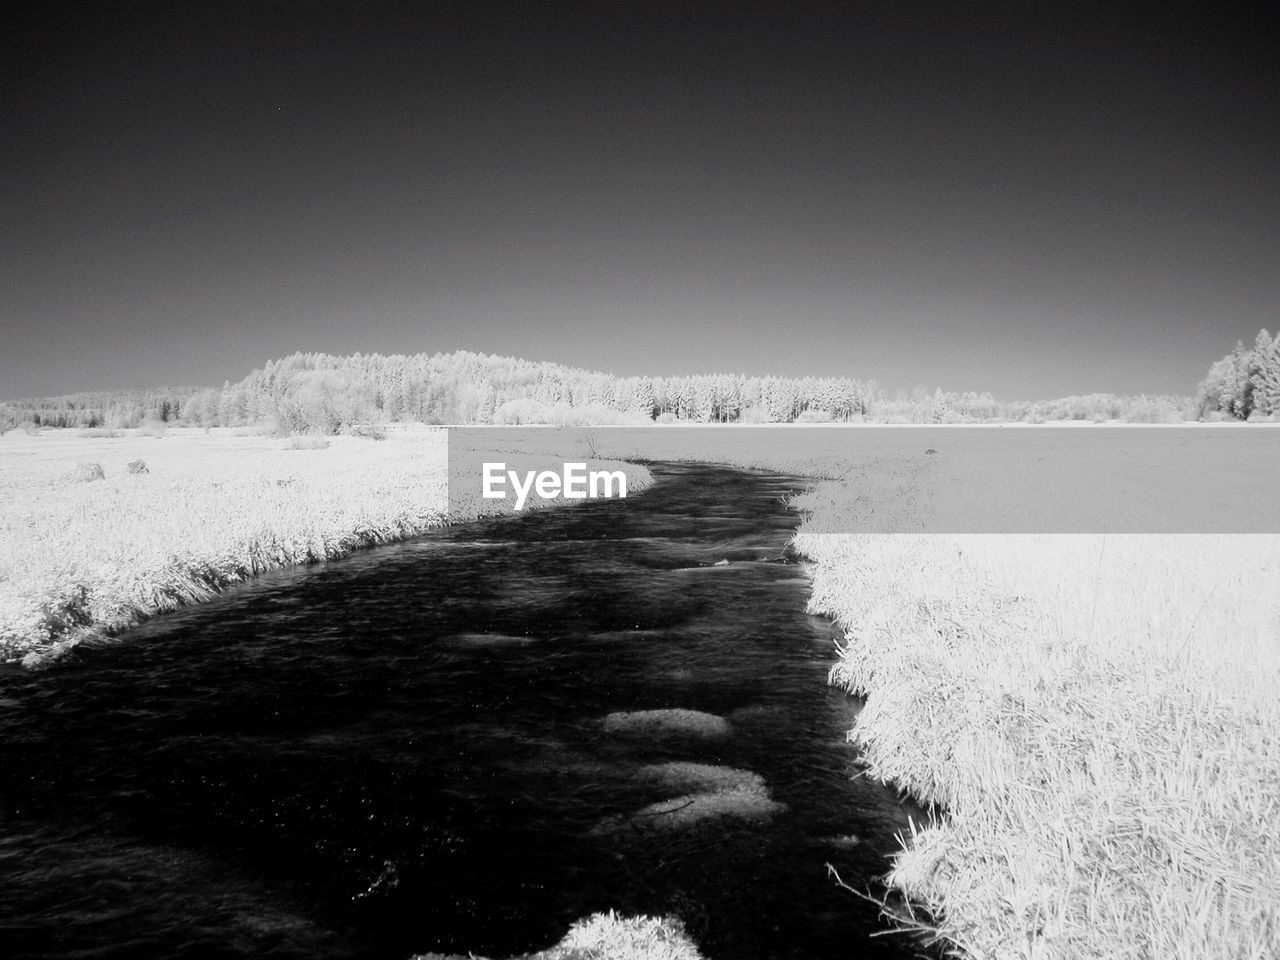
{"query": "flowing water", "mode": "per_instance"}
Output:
(459, 743)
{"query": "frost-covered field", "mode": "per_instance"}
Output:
(1097, 718)
(213, 509)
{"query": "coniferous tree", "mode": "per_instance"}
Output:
(1237, 389)
(1265, 373)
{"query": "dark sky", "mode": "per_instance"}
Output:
(973, 195)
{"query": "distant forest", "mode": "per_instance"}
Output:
(322, 393)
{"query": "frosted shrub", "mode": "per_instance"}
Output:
(85, 472)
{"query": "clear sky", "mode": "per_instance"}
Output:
(1032, 200)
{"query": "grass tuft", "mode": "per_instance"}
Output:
(608, 936)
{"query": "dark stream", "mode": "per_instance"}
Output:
(413, 749)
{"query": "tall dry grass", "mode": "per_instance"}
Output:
(1096, 717)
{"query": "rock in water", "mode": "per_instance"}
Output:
(659, 723)
(679, 813)
(707, 792)
(685, 777)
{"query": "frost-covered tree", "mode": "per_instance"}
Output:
(1241, 380)
(1264, 373)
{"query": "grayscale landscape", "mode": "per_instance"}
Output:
(926, 601)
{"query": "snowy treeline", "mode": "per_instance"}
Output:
(324, 393)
